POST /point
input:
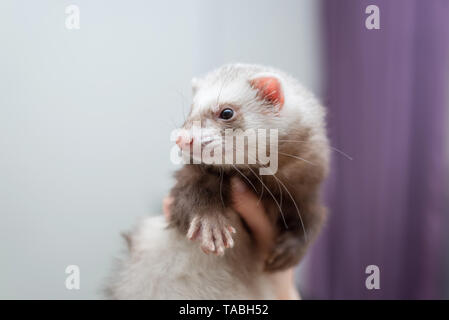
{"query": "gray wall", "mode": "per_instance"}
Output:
(85, 118)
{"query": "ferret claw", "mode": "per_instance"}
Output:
(213, 233)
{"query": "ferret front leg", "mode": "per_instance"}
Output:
(199, 209)
(213, 232)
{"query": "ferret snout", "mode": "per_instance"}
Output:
(184, 140)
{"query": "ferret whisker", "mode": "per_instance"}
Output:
(219, 93)
(296, 157)
(221, 188)
(342, 153)
(279, 182)
(333, 148)
(246, 178)
(292, 140)
(261, 195)
(280, 192)
(280, 189)
(296, 206)
(257, 162)
(221, 88)
(271, 194)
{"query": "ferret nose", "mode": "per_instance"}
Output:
(184, 141)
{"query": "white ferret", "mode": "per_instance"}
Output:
(164, 261)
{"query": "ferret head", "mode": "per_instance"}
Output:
(255, 105)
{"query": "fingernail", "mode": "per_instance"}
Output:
(238, 185)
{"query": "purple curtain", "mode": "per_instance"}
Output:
(386, 92)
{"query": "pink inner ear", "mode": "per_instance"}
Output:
(269, 89)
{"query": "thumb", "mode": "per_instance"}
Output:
(246, 203)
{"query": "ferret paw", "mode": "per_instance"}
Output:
(287, 253)
(213, 233)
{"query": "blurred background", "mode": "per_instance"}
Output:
(86, 116)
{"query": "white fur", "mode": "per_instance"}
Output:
(163, 264)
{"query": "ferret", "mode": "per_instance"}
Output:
(205, 250)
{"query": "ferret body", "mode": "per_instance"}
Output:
(163, 263)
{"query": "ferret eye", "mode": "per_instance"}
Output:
(227, 114)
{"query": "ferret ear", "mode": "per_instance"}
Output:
(195, 85)
(269, 89)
